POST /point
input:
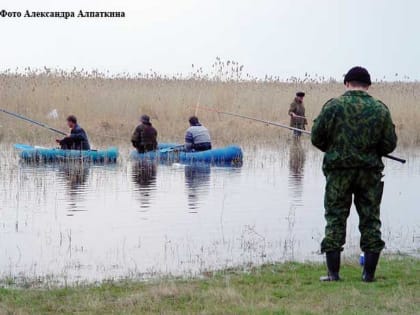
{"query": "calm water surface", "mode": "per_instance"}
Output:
(90, 223)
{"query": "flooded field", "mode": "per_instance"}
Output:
(70, 223)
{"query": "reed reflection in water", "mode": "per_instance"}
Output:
(95, 222)
(197, 183)
(74, 176)
(144, 175)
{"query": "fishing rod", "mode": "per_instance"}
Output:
(33, 121)
(388, 156)
(51, 128)
(267, 122)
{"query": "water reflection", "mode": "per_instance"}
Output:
(144, 176)
(296, 171)
(197, 182)
(269, 210)
(295, 185)
(74, 175)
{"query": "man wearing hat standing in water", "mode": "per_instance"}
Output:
(297, 114)
(144, 138)
(354, 130)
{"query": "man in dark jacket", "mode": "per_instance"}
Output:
(354, 130)
(144, 138)
(297, 114)
(77, 140)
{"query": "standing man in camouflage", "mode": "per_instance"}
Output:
(297, 114)
(355, 131)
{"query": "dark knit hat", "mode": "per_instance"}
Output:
(300, 94)
(358, 74)
(145, 119)
(194, 121)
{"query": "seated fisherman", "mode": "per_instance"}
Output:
(197, 137)
(77, 139)
(144, 138)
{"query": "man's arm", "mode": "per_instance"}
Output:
(62, 141)
(71, 138)
(136, 137)
(189, 140)
(320, 128)
(388, 140)
(292, 109)
(76, 135)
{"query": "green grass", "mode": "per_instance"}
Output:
(290, 288)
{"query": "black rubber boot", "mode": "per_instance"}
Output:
(333, 265)
(371, 261)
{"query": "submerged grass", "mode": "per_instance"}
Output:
(108, 107)
(290, 288)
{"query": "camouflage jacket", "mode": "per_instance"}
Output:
(298, 109)
(355, 131)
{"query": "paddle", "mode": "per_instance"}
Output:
(171, 149)
(33, 122)
(388, 156)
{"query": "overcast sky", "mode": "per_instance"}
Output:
(278, 37)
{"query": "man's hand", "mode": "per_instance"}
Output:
(297, 116)
(57, 140)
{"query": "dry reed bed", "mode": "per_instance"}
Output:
(111, 106)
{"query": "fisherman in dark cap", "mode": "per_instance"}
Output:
(297, 114)
(354, 130)
(197, 137)
(144, 138)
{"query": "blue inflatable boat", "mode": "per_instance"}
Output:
(34, 154)
(172, 153)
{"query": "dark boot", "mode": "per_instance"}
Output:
(333, 265)
(371, 261)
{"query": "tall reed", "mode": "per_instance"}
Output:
(108, 106)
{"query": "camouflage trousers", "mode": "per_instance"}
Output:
(367, 187)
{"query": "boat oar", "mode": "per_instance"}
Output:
(33, 121)
(170, 149)
(388, 156)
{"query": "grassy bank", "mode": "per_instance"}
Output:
(289, 288)
(109, 107)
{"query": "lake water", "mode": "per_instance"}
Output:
(89, 223)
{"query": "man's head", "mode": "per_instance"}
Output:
(71, 121)
(145, 119)
(357, 78)
(300, 96)
(194, 121)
